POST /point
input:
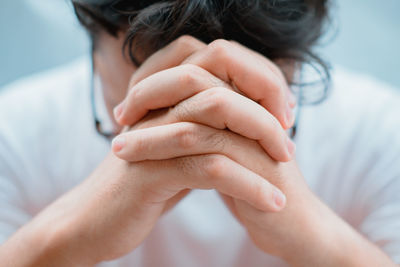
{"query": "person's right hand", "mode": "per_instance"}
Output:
(113, 211)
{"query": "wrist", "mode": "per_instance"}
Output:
(317, 241)
(330, 241)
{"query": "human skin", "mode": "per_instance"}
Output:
(184, 148)
(294, 234)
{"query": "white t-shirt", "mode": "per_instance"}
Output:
(348, 149)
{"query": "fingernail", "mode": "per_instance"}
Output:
(279, 199)
(291, 146)
(118, 111)
(289, 115)
(118, 143)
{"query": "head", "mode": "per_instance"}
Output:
(125, 32)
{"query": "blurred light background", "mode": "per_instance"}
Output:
(39, 34)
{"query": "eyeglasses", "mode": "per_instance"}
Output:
(97, 122)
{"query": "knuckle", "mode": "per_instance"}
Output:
(220, 47)
(184, 41)
(190, 75)
(215, 167)
(187, 136)
(134, 92)
(216, 99)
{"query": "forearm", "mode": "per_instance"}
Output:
(35, 247)
(50, 239)
(333, 242)
(102, 219)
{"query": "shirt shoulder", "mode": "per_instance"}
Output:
(348, 146)
(51, 87)
(39, 107)
(360, 116)
(47, 134)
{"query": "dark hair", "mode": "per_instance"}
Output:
(278, 29)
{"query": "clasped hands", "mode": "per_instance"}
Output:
(214, 117)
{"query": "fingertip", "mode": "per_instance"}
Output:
(279, 200)
(118, 143)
